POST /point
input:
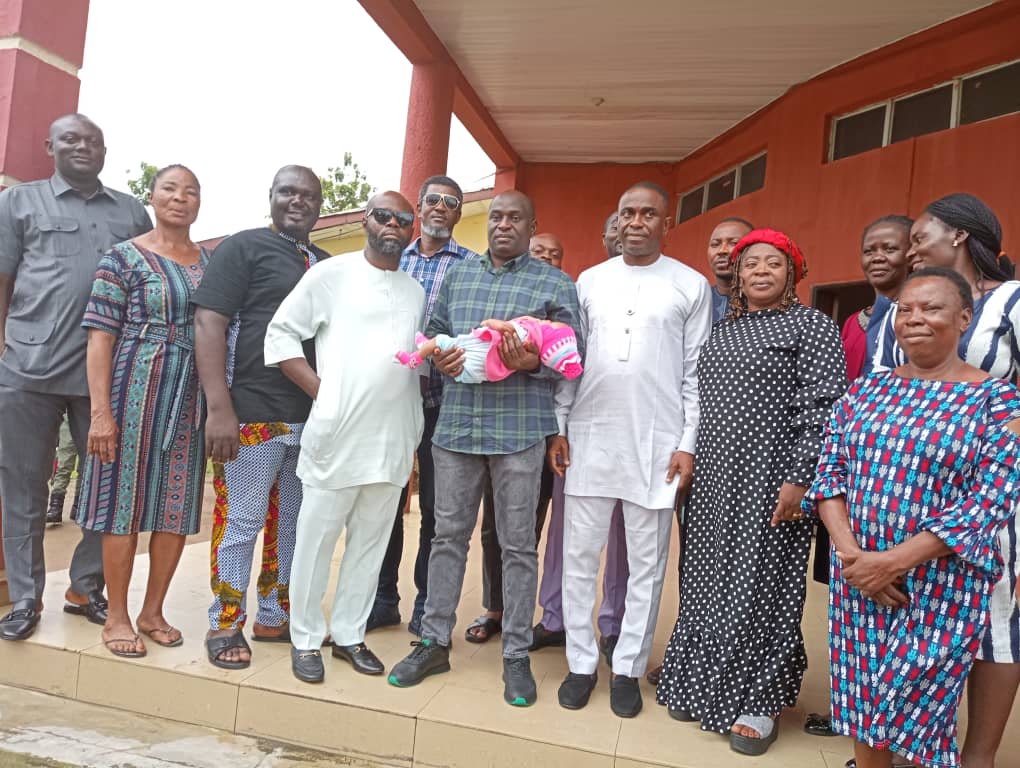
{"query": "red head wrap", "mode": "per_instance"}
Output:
(780, 242)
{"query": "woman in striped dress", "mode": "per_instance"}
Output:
(960, 232)
(146, 466)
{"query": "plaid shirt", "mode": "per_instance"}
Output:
(429, 272)
(504, 416)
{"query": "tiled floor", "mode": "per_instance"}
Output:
(456, 719)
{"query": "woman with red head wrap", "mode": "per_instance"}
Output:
(767, 379)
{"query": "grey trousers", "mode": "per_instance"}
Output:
(29, 424)
(460, 478)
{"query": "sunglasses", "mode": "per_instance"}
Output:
(450, 201)
(384, 215)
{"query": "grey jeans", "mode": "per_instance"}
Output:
(460, 478)
(29, 423)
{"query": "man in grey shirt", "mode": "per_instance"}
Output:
(52, 234)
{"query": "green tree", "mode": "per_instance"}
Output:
(140, 187)
(344, 188)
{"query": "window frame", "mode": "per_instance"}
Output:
(955, 106)
(703, 186)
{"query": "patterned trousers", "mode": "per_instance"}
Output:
(258, 491)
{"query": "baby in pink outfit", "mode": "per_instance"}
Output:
(555, 342)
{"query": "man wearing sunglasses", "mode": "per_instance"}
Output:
(426, 260)
(492, 431)
(358, 445)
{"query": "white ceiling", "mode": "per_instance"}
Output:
(671, 74)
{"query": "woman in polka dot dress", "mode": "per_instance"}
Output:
(768, 377)
(920, 470)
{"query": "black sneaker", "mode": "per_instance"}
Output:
(427, 658)
(382, 616)
(575, 690)
(518, 682)
(624, 696)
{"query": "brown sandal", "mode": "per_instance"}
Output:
(150, 633)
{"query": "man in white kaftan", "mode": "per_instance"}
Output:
(631, 422)
(358, 444)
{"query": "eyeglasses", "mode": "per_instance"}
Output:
(383, 216)
(450, 201)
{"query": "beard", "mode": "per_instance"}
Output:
(391, 249)
(440, 233)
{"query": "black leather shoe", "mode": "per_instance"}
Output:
(607, 645)
(624, 696)
(382, 616)
(55, 513)
(307, 665)
(546, 638)
(575, 690)
(20, 623)
(362, 659)
(94, 610)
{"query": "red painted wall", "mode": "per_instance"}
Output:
(824, 206)
(56, 25)
(32, 95)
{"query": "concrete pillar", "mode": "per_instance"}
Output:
(427, 138)
(41, 48)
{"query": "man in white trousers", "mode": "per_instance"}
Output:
(645, 317)
(358, 443)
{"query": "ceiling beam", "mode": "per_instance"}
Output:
(405, 25)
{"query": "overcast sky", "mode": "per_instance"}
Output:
(236, 89)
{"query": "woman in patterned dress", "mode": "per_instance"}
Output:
(146, 466)
(961, 232)
(920, 469)
(767, 379)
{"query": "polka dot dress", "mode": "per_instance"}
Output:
(767, 382)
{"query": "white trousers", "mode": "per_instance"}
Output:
(367, 513)
(586, 521)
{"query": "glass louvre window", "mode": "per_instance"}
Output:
(859, 133)
(721, 190)
(752, 175)
(926, 112)
(691, 204)
(990, 94)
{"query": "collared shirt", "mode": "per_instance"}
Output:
(505, 416)
(429, 271)
(51, 241)
(720, 304)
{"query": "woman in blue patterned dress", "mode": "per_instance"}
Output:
(146, 466)
(962, 233)
(919, 472)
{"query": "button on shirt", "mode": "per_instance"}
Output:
(429, 271)
(51, 241)
(505, 416)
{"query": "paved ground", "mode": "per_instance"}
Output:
(40, 731)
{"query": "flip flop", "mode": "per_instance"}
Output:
(487, 626)
(151, 634)
(124, 654)
(818, 725)
(214, 646)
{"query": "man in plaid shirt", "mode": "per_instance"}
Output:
(426, 260)
(495, 429)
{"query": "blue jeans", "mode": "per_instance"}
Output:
(387, 595)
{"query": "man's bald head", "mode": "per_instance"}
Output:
(298, 171)
(78, 149)
(548, 248)
(511, 225)
(389, 199)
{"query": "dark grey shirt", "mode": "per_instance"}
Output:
(51, 240)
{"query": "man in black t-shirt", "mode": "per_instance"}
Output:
(255, 416)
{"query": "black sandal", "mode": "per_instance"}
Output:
(215, 646)
(487, 627)
(818, 725)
